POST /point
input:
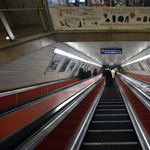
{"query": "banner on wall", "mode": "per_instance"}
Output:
(79, 18)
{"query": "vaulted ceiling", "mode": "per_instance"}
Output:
(92, 49)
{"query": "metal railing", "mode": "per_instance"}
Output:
(137, 89)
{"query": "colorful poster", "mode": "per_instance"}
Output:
(79, 18)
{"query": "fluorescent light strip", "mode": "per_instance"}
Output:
(142, 58)
(58, 51)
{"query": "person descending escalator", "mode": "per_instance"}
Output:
(81, 74)
(108, 76)
(113, 72)
(95, 72)
(88, 73)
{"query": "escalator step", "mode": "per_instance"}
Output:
(111, 136)
(111, 146)
(110, 103)
(111, 127)
(107, 118)
(107, 125)
(111, 106)
(104, 99)
(111, 111)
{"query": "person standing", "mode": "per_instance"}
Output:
(108, 76)
(95, 72)
(81, 73)
(113, 72)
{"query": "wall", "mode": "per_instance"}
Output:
(26, 64)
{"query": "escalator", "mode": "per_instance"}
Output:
(111, 127)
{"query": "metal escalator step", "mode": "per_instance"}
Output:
(111, 121)
(111, 146)
(126, 135)
(110, 114)
(110, 117)
(111, 111)
(110, 102)
(111, 99)
(111, 106)
(110, 125)
(112, 143)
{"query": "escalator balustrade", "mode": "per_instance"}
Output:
(111, 127)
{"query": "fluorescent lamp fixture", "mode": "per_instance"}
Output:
(140, 59)
(7, 38)
(58, 51)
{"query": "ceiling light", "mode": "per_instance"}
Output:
(140, 59)
(58, 51)
(7, 37)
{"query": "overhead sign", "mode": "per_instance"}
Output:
(111, 51)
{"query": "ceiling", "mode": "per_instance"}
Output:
(92, 49)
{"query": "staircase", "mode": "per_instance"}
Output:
(111, 127)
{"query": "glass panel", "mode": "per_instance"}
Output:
(56, 60)
(119, 3)
(72, 65)
(64, 66)
(141, 3)
(57, 3)
(77, 3)
(97, 3)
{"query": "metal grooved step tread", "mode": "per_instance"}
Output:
(111, 127)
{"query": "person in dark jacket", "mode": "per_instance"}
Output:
(88, 73)
(95, 72)
(108, 76)
(81, 73)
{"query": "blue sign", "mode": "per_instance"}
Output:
(111, 51)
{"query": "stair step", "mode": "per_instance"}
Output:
(107, 125)
(110, 117)
(111, 106)
(111, 99)
(111, 146)
(111, 136)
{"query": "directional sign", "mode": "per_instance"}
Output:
(111, 51)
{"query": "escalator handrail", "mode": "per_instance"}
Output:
(79, 136)
(138, 79)
(143, 97)
(18, 106)
(43, 132)
(142, 135)
(23, 89)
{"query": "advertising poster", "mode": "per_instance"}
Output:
(79, 18)
(148, 63)
(65, 64)
(144, 65)
(56, 60)
(72, 65)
